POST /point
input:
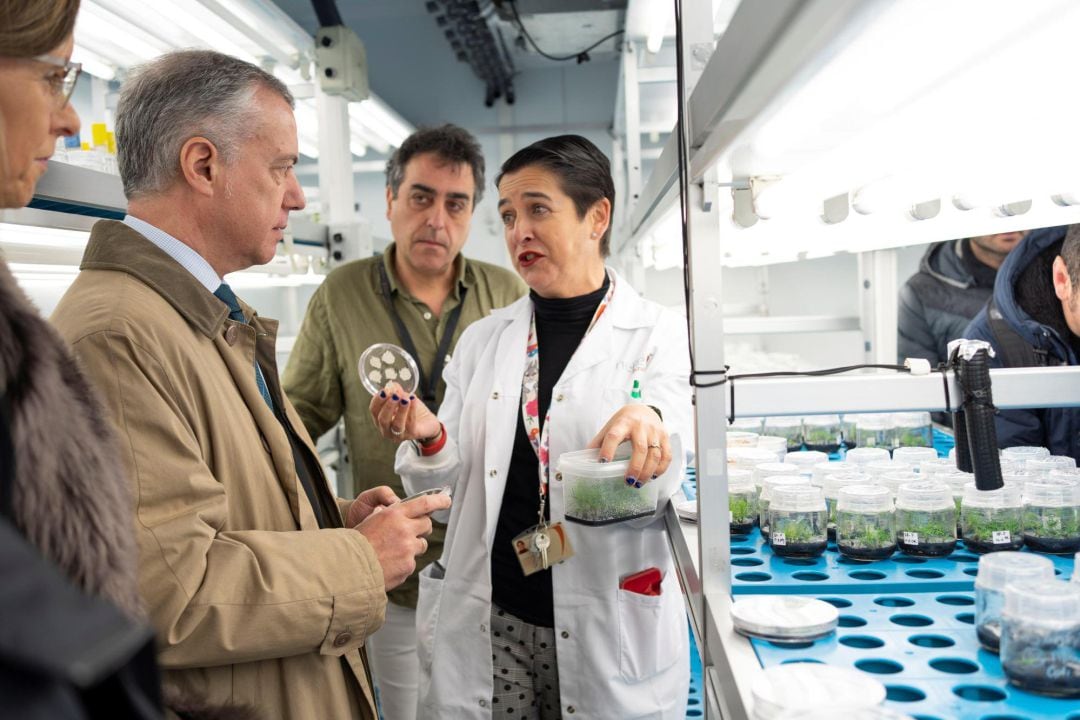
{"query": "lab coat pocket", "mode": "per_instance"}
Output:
(644, 650)
(427, 612)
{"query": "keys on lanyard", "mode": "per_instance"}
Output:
(541, 543)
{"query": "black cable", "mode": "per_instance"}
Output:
(327, 13)
(684, 193)
(580, 56)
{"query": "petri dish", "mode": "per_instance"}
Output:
(385, 362)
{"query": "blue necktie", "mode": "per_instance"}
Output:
(225, 294)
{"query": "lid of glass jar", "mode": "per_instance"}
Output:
(769, 469)
(834, 481)
(776, 443)
(911, 419)
(740, 480)
(1010, 465)
(1023, 452)
(1052, 492)
(1000, 568)
(914, 455)
(774, 481)
(789, 617)
(749, 456)
(864, 499)
(796, 498)
(1043, 603)
(937, 466)
(956, 481)
(880, 467)
(1004, 497)
(893, 480)
(737, 438)
(863, 455)
(1049, 463)
(806, 459)
(812, 686)
(924, 495)
(828, 468)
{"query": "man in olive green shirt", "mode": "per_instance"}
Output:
(421, 286)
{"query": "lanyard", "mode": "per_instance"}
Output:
(530, 396)
(426, 385)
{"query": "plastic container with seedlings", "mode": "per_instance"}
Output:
(596, 493)
(957, 481)
(765, 497)
(1048, 464)
(764, 470)
(1023, 453)
(865, 523)
(1052, 515)
(914, 456)
(822, 433)
(997, 570)
(1040, 637)
(831, 490)
(742, 501)
(992, 520)
(847, 430)
(860, 456)
(925, 519)
(797, 521)
(806, 460)
(788, 427)
(913, 429)
(875, 430)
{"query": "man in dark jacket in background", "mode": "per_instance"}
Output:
(1034, 320)
(954, 281)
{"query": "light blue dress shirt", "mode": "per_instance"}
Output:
(192, 261)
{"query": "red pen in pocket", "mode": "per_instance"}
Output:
(643, 582)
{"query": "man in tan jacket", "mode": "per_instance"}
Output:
(261, 584)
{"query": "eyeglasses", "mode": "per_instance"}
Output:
(72, 70)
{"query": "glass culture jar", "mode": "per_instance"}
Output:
(881, 467)
(925, 519)
(957, 481)
(754, 425)
(806, 460)
(748, 457)
(996, 570)
(1048, 464)
(1040, 634)
(817, 477)
(847, 431)
(797, 521)
(875, 430)
(864, 455)
(937, 466)
(1052, 515)
(738, 438)
(766, 469)
(1023, 453)
(822, 433)
(831, 490)
(765, 496)
(788, 427)
(865, 522)
(893, 480)
(776, 444)
(992, 520)
(913, 429)
(742, 501)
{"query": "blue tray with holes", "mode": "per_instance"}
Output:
(755, 570)
(922, 647)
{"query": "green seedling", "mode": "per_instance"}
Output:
(1059, 523)
(865, 530)
(980, 524)
(742, 509)
(932, 526)
(606, 501)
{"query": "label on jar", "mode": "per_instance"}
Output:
(911, 538)
(778, 538)
(1002, 537)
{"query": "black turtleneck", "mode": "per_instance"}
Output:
(560, 325)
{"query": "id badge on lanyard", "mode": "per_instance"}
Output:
(544, 544)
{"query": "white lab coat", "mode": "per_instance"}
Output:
(621, 655)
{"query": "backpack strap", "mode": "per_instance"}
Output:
(1010, 346)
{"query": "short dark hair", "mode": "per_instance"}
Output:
(451, 143)
(1070, 253)
(583, 170)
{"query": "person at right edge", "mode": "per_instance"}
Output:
(1033, 320)
(504, 627)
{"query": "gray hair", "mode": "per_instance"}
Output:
(181, 95)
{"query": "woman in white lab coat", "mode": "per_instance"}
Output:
(495, 642)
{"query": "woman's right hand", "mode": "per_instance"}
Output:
(402, 416)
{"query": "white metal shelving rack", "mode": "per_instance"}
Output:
(774, 57)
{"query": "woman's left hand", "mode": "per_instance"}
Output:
(645, 430)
